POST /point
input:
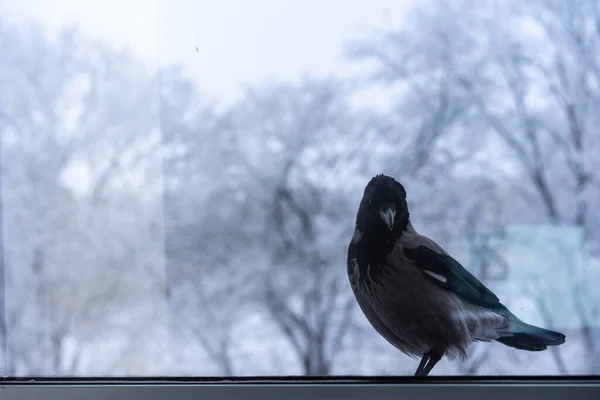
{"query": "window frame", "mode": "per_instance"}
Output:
(339, 387)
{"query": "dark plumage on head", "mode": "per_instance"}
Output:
(383, 211)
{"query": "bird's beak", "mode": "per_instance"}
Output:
(388, 214)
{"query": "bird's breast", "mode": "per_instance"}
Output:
(407, 309)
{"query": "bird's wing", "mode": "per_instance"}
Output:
(441, 268)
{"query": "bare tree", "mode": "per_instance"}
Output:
(484, 227)
(70, 106)
(317, 325)
(305, 215)
(549, 122)
(207, 249)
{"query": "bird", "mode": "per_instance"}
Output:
(416, 295)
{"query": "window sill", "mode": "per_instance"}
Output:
(380, 388)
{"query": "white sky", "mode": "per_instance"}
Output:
(238, 41)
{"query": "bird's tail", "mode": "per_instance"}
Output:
(528, 337)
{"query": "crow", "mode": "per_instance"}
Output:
(419, 298)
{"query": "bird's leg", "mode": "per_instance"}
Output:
(422, 364)
(434, 357)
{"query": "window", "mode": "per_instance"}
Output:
(180, 180)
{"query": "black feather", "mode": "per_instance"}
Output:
(458, 279)
(532, 338)
(464, 284)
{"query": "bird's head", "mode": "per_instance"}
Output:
(383, 211)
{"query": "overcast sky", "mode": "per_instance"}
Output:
(238, 41)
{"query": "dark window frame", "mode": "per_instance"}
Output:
(381, 388)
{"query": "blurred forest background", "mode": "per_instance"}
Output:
(150, 231)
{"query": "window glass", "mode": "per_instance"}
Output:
(180, 179)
